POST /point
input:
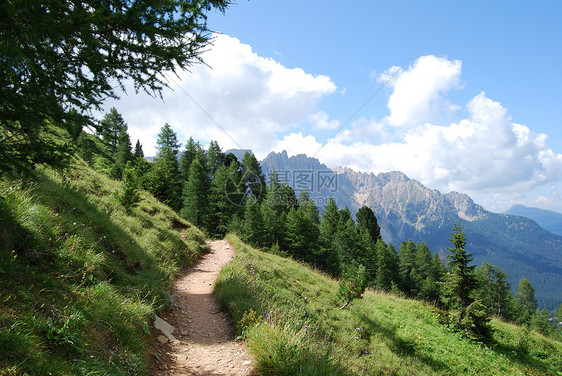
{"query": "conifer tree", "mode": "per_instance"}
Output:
(62, 58)
(273, 213)
(192, 149)
(129, 195)
(327, 233)
(347, 241)
(493, 289)
(225, 199)
(301, 237)
(406, 260)
(111, 129)
(252, 176)
(423, 284)
(215, 157)
(437, 271)
(167, 138)
(387, 266)
(123, 153)
(164, 180)
(460, 281)
(253, 228)
(195, 194)
(329, 222)
(137, 153)
(308, 207)
(367, 222)
(525, 299)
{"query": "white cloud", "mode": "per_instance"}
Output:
(296, 143)
(252, 99)
(320, 120)
(416, 97)
(486, 152)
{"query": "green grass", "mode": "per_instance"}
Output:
(80, 276)
(291, 318)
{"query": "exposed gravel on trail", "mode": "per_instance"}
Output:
(205, 342)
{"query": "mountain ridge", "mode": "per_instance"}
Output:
(548, 219)
(407, 209)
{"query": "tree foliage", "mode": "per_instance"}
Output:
(60, 58)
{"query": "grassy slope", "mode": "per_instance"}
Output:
(80, 277)
(294, 326)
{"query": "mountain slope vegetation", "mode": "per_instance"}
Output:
(81, 275)
(292, 320)
(548, 219)
(406, 209)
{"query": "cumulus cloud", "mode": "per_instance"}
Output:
(238, 98)
(321, 120)
(417, 91)
(486, 152)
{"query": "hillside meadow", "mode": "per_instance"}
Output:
(81, 276)
(291, 317)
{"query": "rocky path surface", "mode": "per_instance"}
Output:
(204, 341)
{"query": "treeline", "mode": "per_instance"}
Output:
(221, 194)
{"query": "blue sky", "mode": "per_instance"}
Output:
(475, 108)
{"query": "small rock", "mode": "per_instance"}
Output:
(164, 327)
(162, 339)
(247, 362)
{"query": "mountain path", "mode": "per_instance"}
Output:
(205, 342)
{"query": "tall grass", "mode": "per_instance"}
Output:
(292, 320)
(80, 276)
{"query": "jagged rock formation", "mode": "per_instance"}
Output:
(406, 209)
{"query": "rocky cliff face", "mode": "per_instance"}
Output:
(406, 209)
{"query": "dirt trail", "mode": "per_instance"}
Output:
(205, 338)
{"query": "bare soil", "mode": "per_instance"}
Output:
(205, 336)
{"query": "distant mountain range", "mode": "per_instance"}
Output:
(406, 209)
(550, 220)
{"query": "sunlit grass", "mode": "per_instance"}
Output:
(300, 322)
(80, 276)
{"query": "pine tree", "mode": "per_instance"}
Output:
(129, 196)
(196, 194)
(493, 290)
(459, 284)
(138, 153)
(111, 128)
(253, 228)
(328, 228)
(192, 149)
(167, 139)
(525, 300)
(308, 207)
(252, 176)
(225, 199)
(61, 59)
(163, 179)
(387, 266)
(367, 222)
(123, 154)
(301, 237)
(423, 283)
(437, 271)
(347, 241)
(215, 157)
(460, 281)
(406, 261)
(273, 213)
(540, 322)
